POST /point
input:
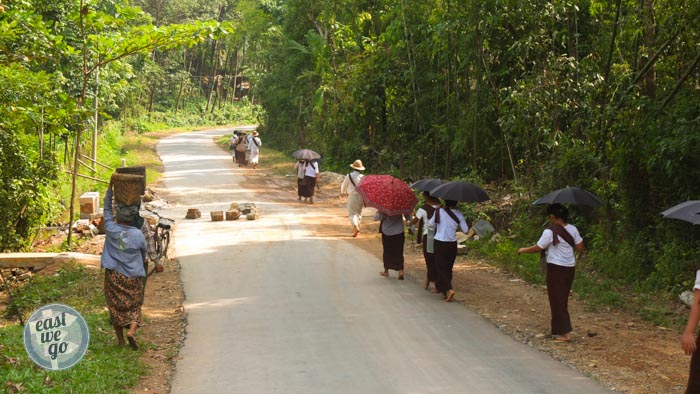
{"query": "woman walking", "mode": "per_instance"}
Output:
(690, 343)
(310, 177)
(300, 166)
(446, 220)
(240, 148)
(426, 236)
(561, 263)
(123, 258)
(393, 238)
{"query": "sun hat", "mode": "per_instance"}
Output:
(255, 133)
(357, 165)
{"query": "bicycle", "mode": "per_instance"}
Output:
(158, 249)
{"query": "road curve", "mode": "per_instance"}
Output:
(271, 309)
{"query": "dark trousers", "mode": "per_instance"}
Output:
(559, 281)
(429, 261)
(694, 377)
(445, 255)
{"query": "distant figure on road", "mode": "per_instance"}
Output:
(561, 263)
(310, 179)
(446, 220)
(300, 166)
(232, 144)
(690, 343)
(240, 149)
(123, 258)
(254, 144)
(426, 236)
(355, 203)
(393, 237)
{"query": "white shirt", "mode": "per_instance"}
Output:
(347, 187)
(311, 169)
(562, 253)
(446, 230)
(697, 280)
(251, 144)
(423, 214)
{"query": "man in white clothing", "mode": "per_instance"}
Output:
(254, 144)
(355, 203)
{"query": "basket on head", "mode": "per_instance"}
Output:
(128, 188)
(135, 170)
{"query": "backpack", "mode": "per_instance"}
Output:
(240, 146)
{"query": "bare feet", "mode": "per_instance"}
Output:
(401, 275)
(450, 295)
(384, 274)
(355, 231)
(426, 285)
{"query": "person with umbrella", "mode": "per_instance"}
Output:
(426, 234)
(689, 211)
(560, 240)
(354, 203)
(446, 220)
(393, 200)
(310, 178)
(393, 238)
(304, 158)
(300, 166)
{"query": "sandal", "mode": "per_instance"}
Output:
(384, 274)
(132, 342)
(450, 295)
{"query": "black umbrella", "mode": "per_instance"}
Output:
(426, 184)
(460, 191)
(569, 195)
(305, 154)
(688, 211)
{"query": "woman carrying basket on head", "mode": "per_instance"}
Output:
(122, 258)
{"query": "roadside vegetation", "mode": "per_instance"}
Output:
(105, 367)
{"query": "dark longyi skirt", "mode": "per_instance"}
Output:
(393, 251)
(445, 255)
(124, 298)
(429, 261)
(559, 282)
(309, 186)
(240, 158)
(300, 186)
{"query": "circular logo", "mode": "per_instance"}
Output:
(56, 337)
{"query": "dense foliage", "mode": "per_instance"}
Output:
(527, 96)
(536, 95)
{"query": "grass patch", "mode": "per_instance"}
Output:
(106, 368)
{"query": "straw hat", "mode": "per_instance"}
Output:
(357, 165)
(255, 133)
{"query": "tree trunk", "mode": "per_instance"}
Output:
(648, 83)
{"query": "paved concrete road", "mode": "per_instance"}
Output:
(272, 310)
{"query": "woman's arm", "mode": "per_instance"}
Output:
(688, 339)
(531, 249)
